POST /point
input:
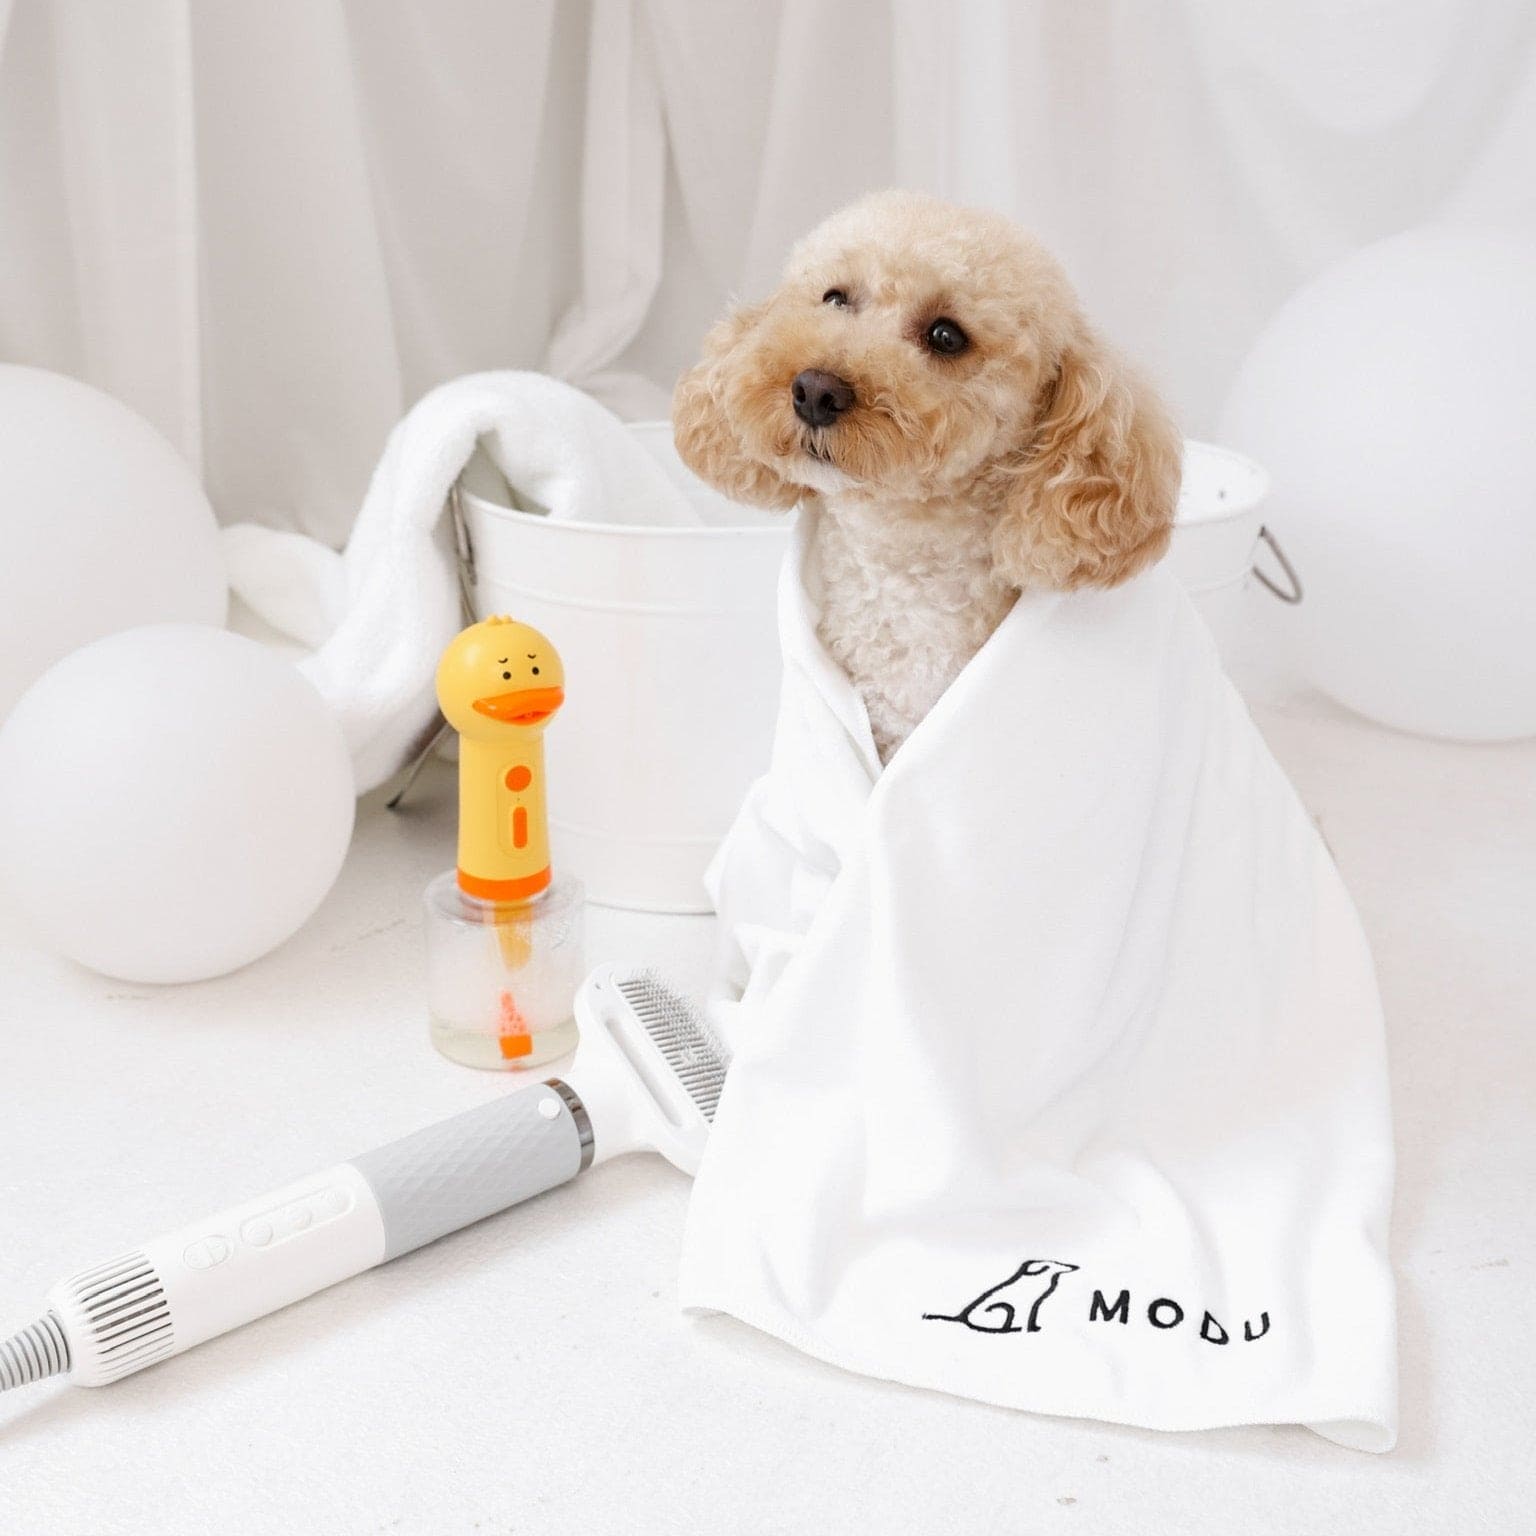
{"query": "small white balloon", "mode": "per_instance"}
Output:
(1392, 400)
(175, 801)
(102, 526)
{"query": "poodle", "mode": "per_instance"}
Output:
(926, 373)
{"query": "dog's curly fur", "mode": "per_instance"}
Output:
(1032, 458)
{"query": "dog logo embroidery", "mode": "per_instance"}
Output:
(996, 1310)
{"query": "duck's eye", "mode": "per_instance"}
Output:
(836, 297)
(507, 676)
(946, 338)
(535, 671)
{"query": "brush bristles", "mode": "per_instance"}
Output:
(680, 1032)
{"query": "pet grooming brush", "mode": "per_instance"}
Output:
(647, 1076)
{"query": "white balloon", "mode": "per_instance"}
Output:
(174, 802)
(1394, 402)
(102, 526)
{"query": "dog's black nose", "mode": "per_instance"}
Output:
(820, 398)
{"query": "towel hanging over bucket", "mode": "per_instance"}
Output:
(379, 614)
(1059, 1074)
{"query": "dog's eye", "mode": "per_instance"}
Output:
(946, 338)
(836, 297)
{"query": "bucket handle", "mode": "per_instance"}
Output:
(1294, 593)
(464, 550)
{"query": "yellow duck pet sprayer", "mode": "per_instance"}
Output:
(503, 933)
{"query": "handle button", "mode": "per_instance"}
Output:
(207, 1251)
(312, 1209)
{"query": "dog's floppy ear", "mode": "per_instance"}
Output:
(1090, 500)
(705, 439)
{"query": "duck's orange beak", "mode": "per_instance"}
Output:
(527, 706)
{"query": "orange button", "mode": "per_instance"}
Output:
(519, 777)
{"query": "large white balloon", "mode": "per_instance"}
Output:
(174, 802)
(1394, 402)
(102, 526)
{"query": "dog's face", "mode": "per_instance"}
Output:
(920, 352)
(907, 344)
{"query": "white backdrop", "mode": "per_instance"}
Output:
(271, 227)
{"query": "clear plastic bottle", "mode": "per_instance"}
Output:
(501, 976)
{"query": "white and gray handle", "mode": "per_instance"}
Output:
(178, 1290)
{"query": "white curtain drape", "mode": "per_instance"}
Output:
(271, 227)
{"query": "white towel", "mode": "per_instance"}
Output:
(1059, 1074)
(382, 612)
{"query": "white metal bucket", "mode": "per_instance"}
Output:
(1218, 532)
(670, 645)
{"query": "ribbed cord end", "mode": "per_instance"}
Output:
(34, 1354)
